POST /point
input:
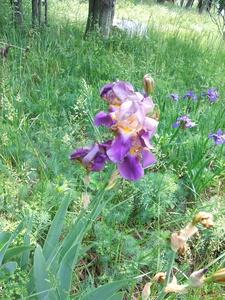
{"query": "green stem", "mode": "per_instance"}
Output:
(168, 272)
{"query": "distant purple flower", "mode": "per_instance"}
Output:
(185, 121)
(190, 94)
(219, 137)
(212, 93)
(175, 97)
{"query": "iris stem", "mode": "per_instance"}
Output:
(168, 272)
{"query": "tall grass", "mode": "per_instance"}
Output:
(48, 102)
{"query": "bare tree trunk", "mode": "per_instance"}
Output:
(18, 12)
(204, 4)
(100, 15)
(34, 12)
(46, 12)
(189, 3)
(37, 12)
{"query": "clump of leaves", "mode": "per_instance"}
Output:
(117, 251)
(157, 193)
(13, 286)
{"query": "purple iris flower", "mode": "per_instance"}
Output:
(116, 93)
(190, 94)
(128, 119)
(92, 158)
(212, 93)
(175, 97)
(185, 121)
(219, 137)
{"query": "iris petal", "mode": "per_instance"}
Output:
(103, 119)
(122, 89)
(120, 147)
(131, 168)
(148, 158)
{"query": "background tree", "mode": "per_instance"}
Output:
(17, 7)
(100, 16)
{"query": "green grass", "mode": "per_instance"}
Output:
(48, 102)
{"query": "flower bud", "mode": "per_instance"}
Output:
(197, 278)
(149, 84)
(218, 276)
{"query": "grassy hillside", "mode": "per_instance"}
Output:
(49, 99)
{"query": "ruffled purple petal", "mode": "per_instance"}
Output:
(131, 168)
(122, 89)
(99, 162)
(91, 155)
(143, 139)
(103, 119)
(105, 89)
(79, 154)
(148, 158)
(120, 147)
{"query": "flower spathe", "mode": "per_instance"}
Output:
(129, 118)
(179, 239)
(174, 287)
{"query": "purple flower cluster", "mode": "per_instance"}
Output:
(211, 93)
(128, 118)
(185, 121)
(218, 137)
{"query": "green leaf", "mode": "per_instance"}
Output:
(11, 238)
(26, 242)
(65, 271)
(10, 267)
(5, 170)
(51, 242)
(12, 252)
(4, 237)
(42, 280)
(118, 296)
(106, 291)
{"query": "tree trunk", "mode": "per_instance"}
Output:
(18, 12)
(100, 16)
(204, 4)
(189, 3)
(36, 12)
